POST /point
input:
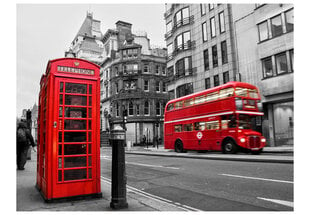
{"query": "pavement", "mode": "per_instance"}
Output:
(28, 197)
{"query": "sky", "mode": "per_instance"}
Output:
(45, 32)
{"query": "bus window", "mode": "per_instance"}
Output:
(178, 128)
(224, 121)
(213, 125)
(212, 96)
(224, 93)
(200, 99)
(245, 121)
(170, 106)
(241, 92)
(200, 126)
(179, 105)
(232, 122)
(253, 93)
(188, 102)
(188, 127)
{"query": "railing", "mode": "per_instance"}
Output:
(180, 23)
(189, 45)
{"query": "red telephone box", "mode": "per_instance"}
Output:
(68, 154)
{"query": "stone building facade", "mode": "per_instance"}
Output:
(133, 80)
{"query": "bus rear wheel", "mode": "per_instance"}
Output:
(178, 147)
(229, 147)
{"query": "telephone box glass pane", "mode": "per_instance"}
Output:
(74, 162)
(89, 101)
(74, 149)
(60, 111)
(89, 124)
(74, 174)
(89, 148)
(59, 163)
(90, 89)
(60, 99)
(59, 149)
(61, 87)
(74, 136)
(89, 137)
(75, 100)
(60, 137)
(90, 173)
(73, 112)
(89, 161)
(89, 112)
(59, 175)
(76, 88)
(75, 124)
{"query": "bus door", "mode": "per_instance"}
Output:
(213, 132)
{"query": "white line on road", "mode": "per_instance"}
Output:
(142, 164)
(156, 198)
(281, 202)
(262, 179)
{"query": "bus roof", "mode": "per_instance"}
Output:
(227, 85)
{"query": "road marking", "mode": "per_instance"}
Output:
(142, 164)
(153, 197)
(262, 179)
(281, 202)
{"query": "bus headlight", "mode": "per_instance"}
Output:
(242, 140)
(263, 140)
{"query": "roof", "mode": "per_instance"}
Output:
(86, 28)
(91, 45)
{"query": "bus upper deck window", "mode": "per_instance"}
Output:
(170, 106)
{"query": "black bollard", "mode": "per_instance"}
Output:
(118, 189)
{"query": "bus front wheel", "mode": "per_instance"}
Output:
(229, 147)
(178, 147)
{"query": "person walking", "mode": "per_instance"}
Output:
(23, 138)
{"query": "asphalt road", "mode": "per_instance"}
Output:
(209, 185)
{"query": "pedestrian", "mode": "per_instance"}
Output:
(23, 138)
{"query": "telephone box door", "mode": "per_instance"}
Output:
(77, 139)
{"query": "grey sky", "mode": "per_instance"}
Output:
(45, 31)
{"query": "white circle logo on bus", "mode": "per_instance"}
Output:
(199, 135)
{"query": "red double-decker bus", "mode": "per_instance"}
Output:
(218, 119)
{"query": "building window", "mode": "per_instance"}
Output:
(117, 109)
(211, 7)
(206, 59)
(183, 66)
(281, 63)
(116, 71)
(263, 31)
(289, 20)
(216, 80)
(276, 26)
(116, 87)
(164, 87)
(292, 59)
(207, 83)
(169, 28)
(146, 108)
(222, 22)
(146, 68)
(212, 27)
(224, 52)
(157, 108)
(183, 40)
(204, 32)
(226, 77)
(130, 108)
(163, 70)
(138, 109)
(267, 67)
(182, 17)
(157, 86)
(203, 9)
(170, 71)
(157, 69)
(146, 85)
(107, 92)
(184, 90)
(169, 50)
(214, 56)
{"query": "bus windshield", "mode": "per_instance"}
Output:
(245, 121)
